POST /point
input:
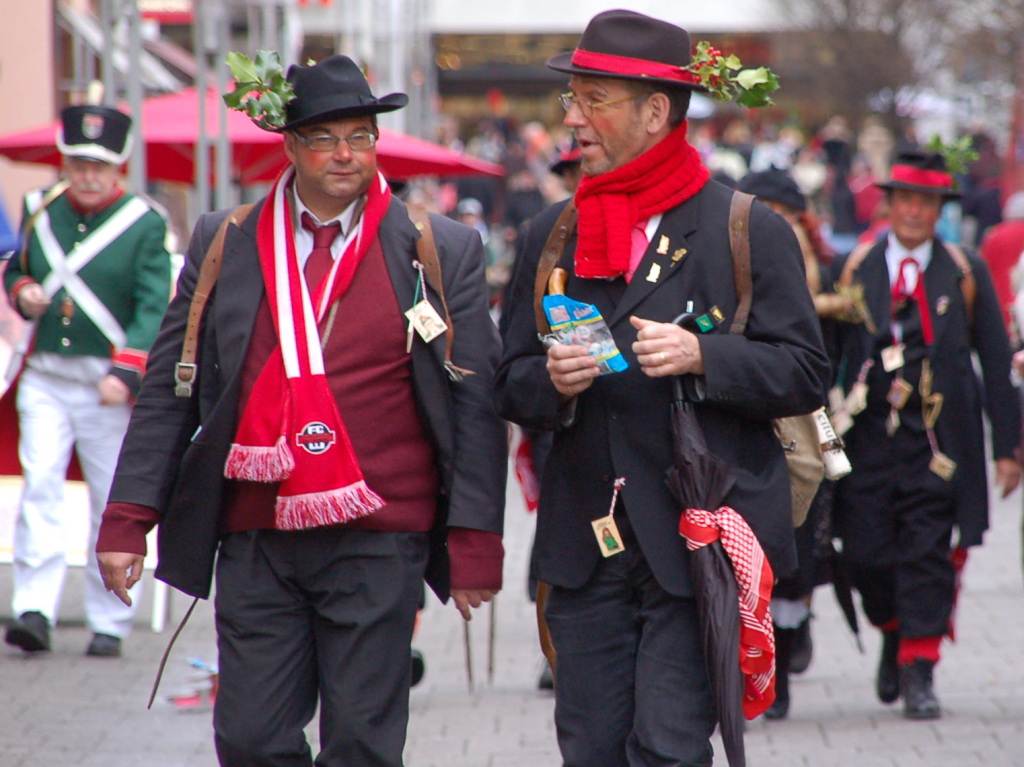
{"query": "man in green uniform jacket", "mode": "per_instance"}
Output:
(93, 278)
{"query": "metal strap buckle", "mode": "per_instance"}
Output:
(184, 378)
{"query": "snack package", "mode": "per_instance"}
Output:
(576, 323)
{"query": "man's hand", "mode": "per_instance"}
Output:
(1007, 475)
(665, 349)
(572, 369)
(32, 300)
(120, 571)
(1018, 363)
(113, 391)
(466, 598)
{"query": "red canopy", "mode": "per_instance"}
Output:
(170, 126)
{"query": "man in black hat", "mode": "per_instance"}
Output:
(334, 443)
(652, 242)
(917, 440)
(93, 278)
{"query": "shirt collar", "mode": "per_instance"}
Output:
(344, 218)
(896, 252)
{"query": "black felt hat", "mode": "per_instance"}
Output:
(774, 185)
(626, 45)
(921, 171)
(95, 132)
(333, 89)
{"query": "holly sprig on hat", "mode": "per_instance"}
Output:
(726, 80)
(958, 154)
(261, 89)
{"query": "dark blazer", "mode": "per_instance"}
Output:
(173, 456)
(959, 428)
(621, 427)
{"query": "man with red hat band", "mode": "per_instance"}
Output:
(652, 242)
(917, 441)
(324, 448)
(93, 278)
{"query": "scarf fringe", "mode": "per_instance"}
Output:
(256, 463)
(331, 507)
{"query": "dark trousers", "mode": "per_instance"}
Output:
(896, 518)
(631, 687)
(322, 615)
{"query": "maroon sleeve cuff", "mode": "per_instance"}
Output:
(125, 527)
(476, 558)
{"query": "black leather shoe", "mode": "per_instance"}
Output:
(919, 701)
(104, 646)
(887, 682)
(31, 632)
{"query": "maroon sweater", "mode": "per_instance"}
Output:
(369, 373)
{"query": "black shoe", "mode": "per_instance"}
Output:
(779, 709)
(104, 646)
(547, 679)
(31, 632)
(803, 648)
(919, 701)
(887, 682)
(419, 667)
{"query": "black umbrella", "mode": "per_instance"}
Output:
(700, 480)
(842, 587)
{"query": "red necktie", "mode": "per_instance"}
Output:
(320, 260)
(900, 295)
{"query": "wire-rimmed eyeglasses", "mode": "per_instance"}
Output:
(328, 142)
(586, 106)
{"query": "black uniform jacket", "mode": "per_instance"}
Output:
(173, 456)
(778, 367)
(959, 427)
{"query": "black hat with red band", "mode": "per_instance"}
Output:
(920, 171)
(625, 45)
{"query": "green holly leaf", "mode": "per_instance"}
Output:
(732, 61)
(241, 66)
(749, 78)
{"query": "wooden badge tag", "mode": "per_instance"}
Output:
(426, 321)
(892, 358)
(857, 399)
(899, 393)
(942, 465)
(608, 538)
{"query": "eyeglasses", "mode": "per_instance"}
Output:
(586, 106)
(328, 142)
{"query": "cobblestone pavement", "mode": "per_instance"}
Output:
(64, 709)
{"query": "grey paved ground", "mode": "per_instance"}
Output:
(65, 709)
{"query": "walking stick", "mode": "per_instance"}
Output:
(469, 655)
(490, 644)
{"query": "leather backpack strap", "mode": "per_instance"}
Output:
(968, 284)
(853, 262)
(185, 369)
(426, 251)
(739, 244)
(549, 258)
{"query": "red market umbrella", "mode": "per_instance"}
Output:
(170, 126)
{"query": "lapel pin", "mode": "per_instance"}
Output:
(662, 245)
(655, 273)
(942, 305)
(678, 255)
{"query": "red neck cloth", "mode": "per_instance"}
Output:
(291, 431)
(900, 297)
(611, 203)
(754, 581)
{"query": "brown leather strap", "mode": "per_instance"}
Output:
(739, 243)
(426, 250)
(549, 258)
(853, 262)
(185, 370)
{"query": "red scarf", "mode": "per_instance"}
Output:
(291, 431)
(611, 203)
(754, 581)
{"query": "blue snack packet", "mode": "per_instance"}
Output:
(579, 324)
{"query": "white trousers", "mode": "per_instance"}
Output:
(56, 415)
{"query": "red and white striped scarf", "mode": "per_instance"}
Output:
(291, 431)
(754, 583)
